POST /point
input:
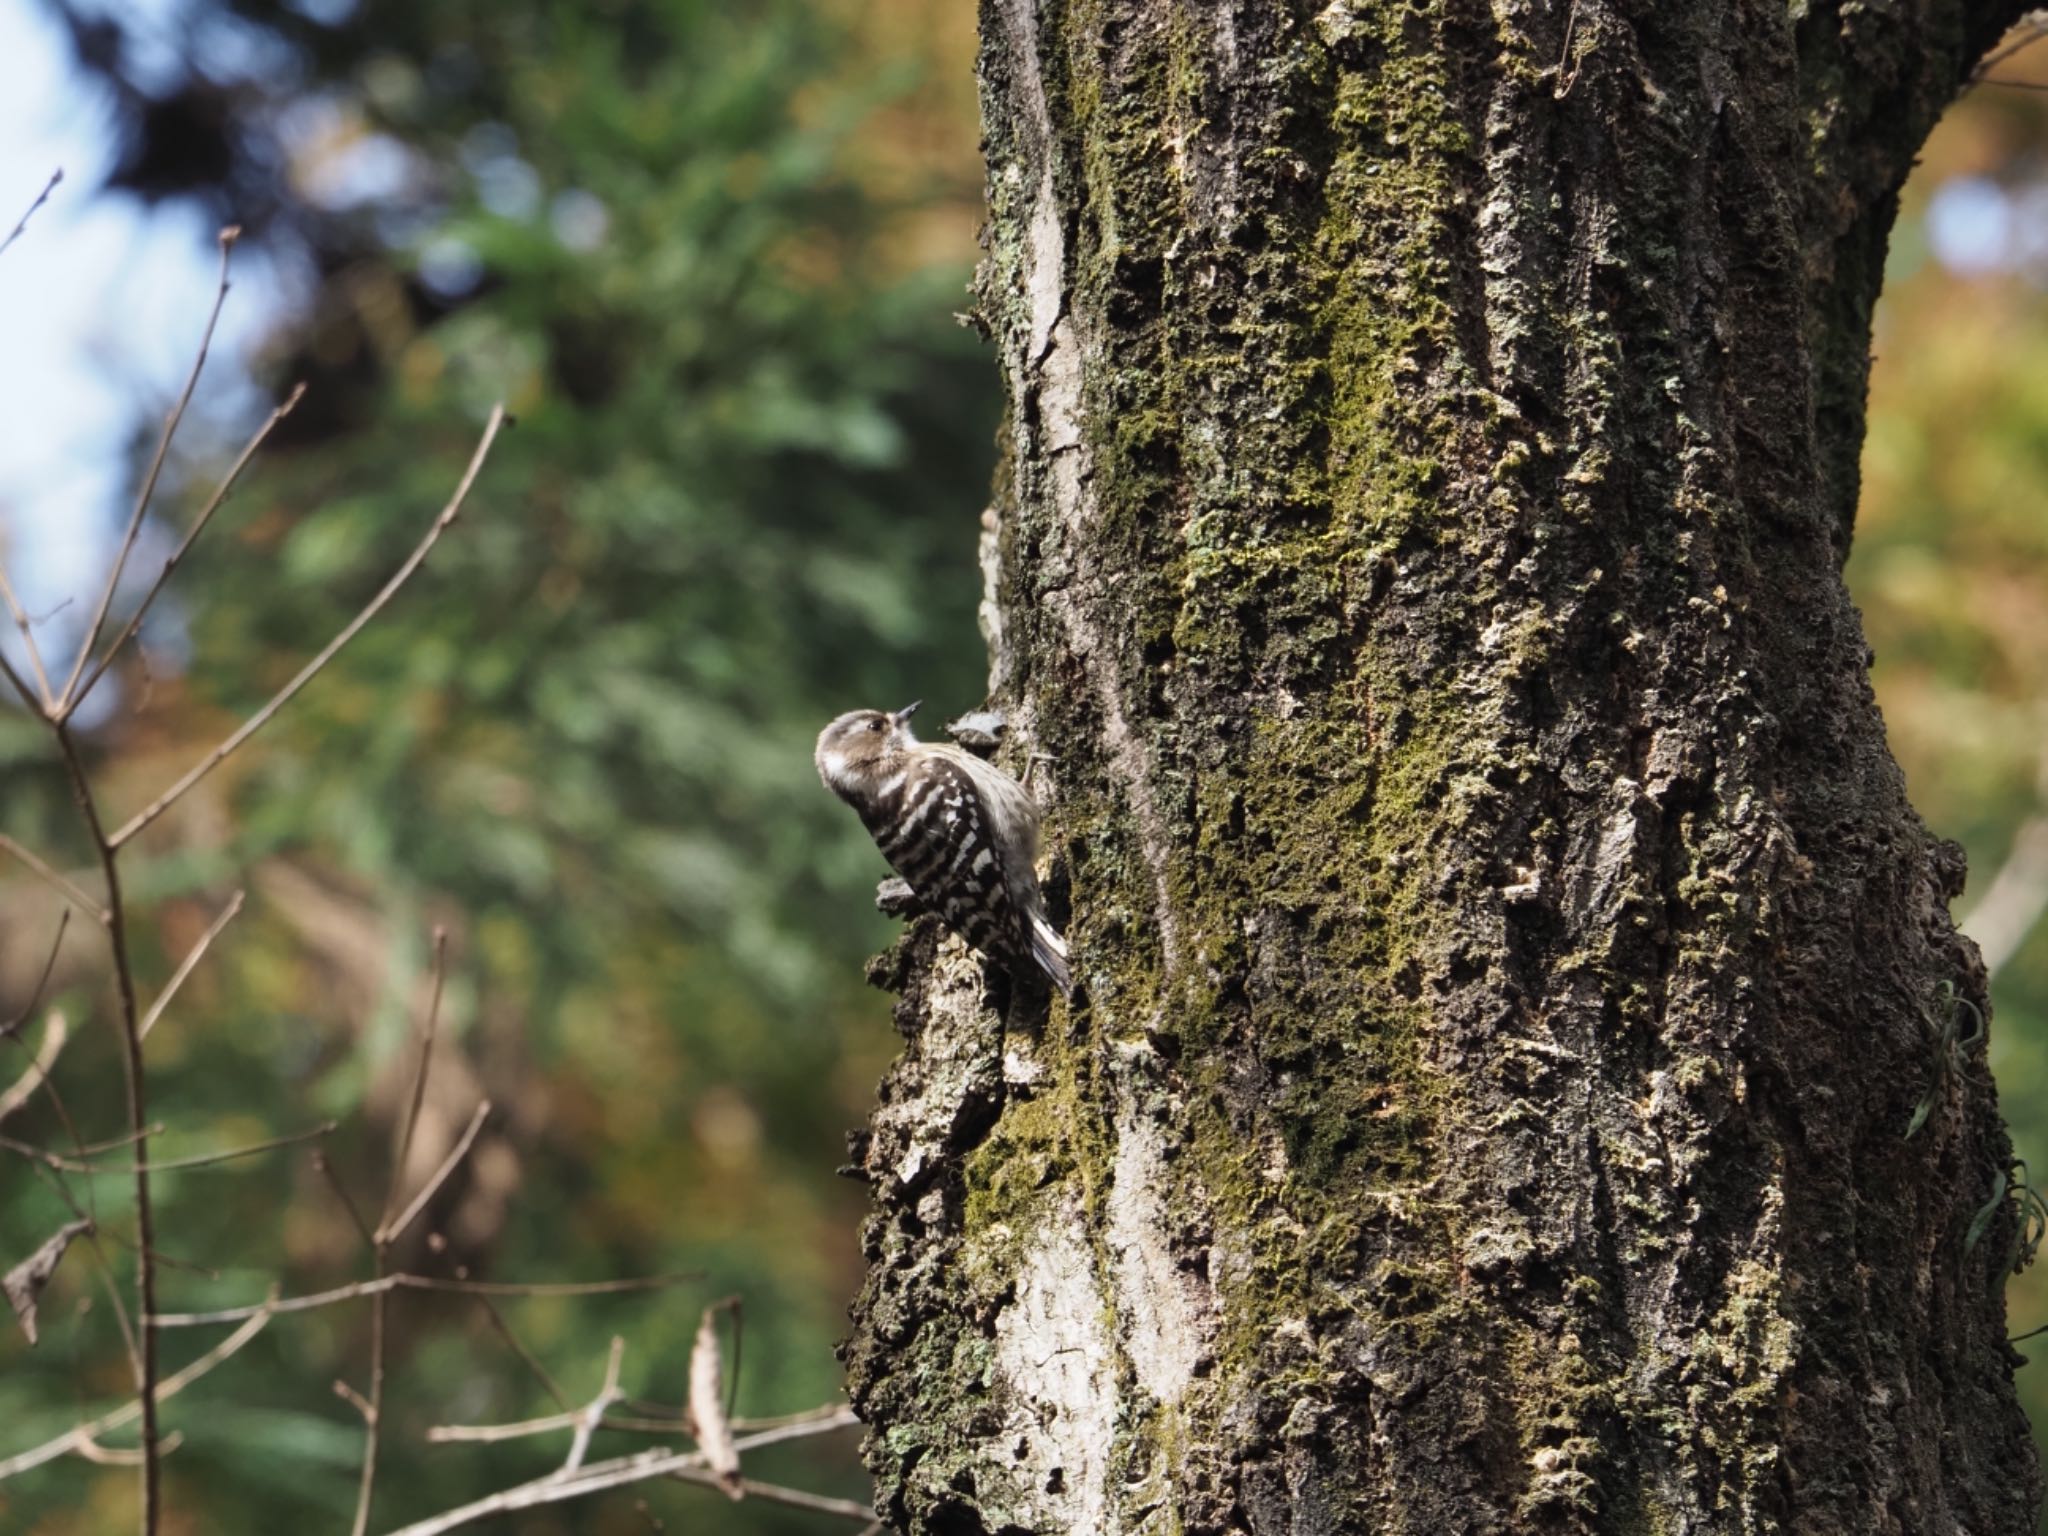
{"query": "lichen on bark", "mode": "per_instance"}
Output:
(1504, 947)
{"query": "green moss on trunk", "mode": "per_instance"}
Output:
(1501, 934)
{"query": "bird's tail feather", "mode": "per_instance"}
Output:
(1050, 951)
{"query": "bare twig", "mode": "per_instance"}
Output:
(28, 638)
(2033, 26)
(326, 1170)
(167, 1164)
(418, 1097)
(137, 1088)
(42, 197)
(674, 1424)
(192, 959)
(407, 1282)
(68, 1442)
(61, 709)
(775, 1493)
(307, 673)
(788, 1420)
(71, 892)
(99, 1455)
(55, 1033)
(184, 548)
(512, 1340)
(491, 1434)
(396, 1229)
(622, 1471)
(22, 690)
(592, 1415)
(102, 1268)
(386, 1234)
(35, 996)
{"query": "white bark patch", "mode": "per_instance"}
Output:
(1054, 1355)
(990, 550)
(1167, 1314)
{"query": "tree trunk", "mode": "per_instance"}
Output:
(1507, 962)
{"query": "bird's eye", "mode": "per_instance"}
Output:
(874, 725)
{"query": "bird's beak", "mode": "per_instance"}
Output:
(902, 716)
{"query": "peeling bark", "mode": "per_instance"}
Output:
(1507, 961)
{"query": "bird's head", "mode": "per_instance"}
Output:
(853, 748)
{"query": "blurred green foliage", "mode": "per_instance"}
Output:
(1950, 561)
(690, 246)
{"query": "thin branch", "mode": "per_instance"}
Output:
(385, 1234)
(192, 959)
(622, 1471)
(169, 1164)
(406, 1282)
(592, 1415)
(55, 1033)
(418, 1099)
(137, 1092)
(776, 1493)
(61, 709)
(21, 688)
(489, 1434)
(527, 1356)
(28, 638)
(396, 1229)
(71, 892)
(184, 548)
(325, 1168)
(42, 197)
(35, 997)
(102, 1267)
(68, 1442)
(83, 1150)
(354, 1399)
(307, 673)
(786, 1420)
(2033, 26)
(99, 1455)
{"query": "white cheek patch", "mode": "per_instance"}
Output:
(834, 764)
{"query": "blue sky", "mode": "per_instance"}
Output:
(101, 308)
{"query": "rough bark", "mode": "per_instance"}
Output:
(1506, 953)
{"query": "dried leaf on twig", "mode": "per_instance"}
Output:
(24, 1283)
(709, 1424)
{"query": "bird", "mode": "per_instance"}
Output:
(961, 832)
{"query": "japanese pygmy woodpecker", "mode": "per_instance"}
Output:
(962, 833)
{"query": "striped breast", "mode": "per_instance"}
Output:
(933, 829)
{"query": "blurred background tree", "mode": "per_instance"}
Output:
(1950, 560)
(709, 256)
